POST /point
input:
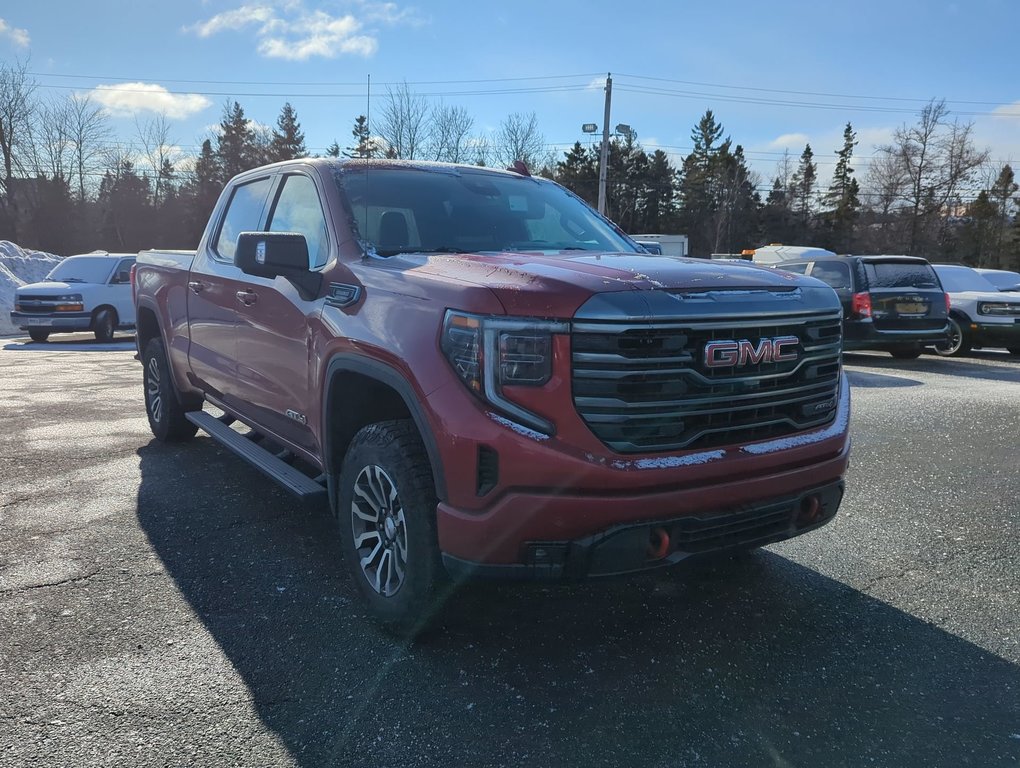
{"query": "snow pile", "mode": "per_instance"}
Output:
(19, 267)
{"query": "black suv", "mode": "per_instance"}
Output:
(892, 303)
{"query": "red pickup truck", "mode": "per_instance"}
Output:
(482, 376)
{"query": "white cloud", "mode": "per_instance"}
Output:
(126, 99)
(288, 30)
(789, 141)
(17, 36)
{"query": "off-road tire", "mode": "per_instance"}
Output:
(395, 448)
(163, 407)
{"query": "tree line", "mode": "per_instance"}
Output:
(67, 186)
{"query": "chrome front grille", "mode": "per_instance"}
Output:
(645, 387)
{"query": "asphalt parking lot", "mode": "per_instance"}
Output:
(167, 606)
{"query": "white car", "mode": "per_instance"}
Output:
(91, 292)
(980, 314)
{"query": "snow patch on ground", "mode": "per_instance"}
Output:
(18, 267)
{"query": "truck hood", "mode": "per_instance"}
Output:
(963, 297)
(528, 283)
(49, 287)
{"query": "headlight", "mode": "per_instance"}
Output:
(488, 353)
(998, 308)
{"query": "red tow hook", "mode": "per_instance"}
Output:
(658, 544)
(810, 510)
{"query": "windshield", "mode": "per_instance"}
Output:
(959, 279)
(1004, 281)
(900, 274)
(83, 269)
(405, 210)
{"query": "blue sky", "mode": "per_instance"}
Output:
(762, 67)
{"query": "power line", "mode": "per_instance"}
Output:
(809, 93)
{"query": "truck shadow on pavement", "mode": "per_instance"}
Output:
(755, 662)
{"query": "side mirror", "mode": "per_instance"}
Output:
(268, 254)
(124, 276)
(278, 254)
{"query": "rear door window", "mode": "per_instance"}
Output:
(893, 274)
(835, 274)
(800, 269)
(244, 214)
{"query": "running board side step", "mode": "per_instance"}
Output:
(293, 480)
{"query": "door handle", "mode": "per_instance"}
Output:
(247, 297)
(196, 286)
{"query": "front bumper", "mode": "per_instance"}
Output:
(656, 544)
(549, 499)
(996, 334)
(57, 321)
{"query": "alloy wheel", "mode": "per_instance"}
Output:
(152, 389)
(380, 531)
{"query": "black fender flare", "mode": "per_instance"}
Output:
(386, 374)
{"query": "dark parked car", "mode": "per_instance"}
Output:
(891, 303)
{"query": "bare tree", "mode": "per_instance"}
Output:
(54, 145)
(936, 157)
(90, 133)
(520, 139)
(16, 119)
(404, 122)
(449, 141)
(159, 152)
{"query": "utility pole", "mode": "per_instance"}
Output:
(604, 155)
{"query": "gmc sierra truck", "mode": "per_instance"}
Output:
(482, 376)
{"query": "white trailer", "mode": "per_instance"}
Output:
(670, 245)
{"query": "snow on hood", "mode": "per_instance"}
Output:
(19, 266)
(960, 296)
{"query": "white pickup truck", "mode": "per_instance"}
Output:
(91, 292)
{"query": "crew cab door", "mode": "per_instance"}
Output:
(274, 333)
(215, 291)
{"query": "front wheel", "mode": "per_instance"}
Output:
(958, 342)
(104, 325)
(167, 418)
(386, 511)
(38, 334)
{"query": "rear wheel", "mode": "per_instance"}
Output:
(906, 352)
(387, 517)
(38, 334)
(957, 344)
(104, 324)
(167, 418)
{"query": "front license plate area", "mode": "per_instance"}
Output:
(39, 321)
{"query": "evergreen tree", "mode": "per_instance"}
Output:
(842, 201)
(203, 191)
(287, 141)
(333, 150)
(978, 234)
(802, 190)
(127, 214)
(578, 172)
(363, 144)
(236, 148)
(1001, 194)
(699, 184)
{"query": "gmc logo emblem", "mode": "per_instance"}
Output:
(731, 354)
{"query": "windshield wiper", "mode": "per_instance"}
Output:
(67, 280)
(397, 251)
